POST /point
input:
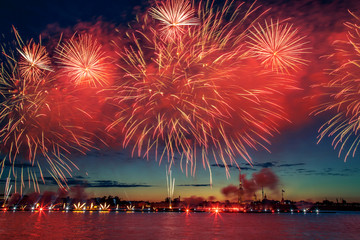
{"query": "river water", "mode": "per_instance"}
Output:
(203, 226)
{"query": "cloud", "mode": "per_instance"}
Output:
(19, 165)
(79, 177)
(220, 165)
(233, 166)
(269, 164)
(81, 181)
(327, 172)
(194, 185)
(114, 184)
(304, 170)
(350, 170)
(265, 164)
(262, 164)
(256, 164)
(291, 164)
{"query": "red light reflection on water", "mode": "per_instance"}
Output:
(209, 225)
(216, 214)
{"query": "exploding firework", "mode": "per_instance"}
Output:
(174, 15)
(34, 61)
(278, 46)
(34, 131)
(83, 60)
(341, 94)
(185, 91)
(201, 96)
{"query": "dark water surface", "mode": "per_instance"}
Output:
(203, 226)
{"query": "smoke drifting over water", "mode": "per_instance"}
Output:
(264, 179)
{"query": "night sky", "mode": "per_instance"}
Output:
(306, 170)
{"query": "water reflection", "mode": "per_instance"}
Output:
(111, 225)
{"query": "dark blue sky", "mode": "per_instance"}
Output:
(32, 17)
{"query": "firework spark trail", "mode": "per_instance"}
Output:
(19, 103)
(34, 60)
(32, 109)
(79, 206)
(170, 184)
(83, 60)
(278, 46)
(174, 15)
(7, 189)
(202, 92)
(341, 94)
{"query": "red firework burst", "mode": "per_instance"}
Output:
(278, 46)
(82, 59)
(204, 92)
(174, 15)
(40, 121)
(34, 61)
(342, 94)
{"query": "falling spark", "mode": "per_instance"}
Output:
(341, 95)
(34, 132)
(7, 191)
(201, 97)
(170, 184)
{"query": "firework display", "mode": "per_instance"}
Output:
(341, 94)
(278, 46)
(37, 126)
(202, 95)
(82, 59)
(174, 15)
(188, 84)
(34, 61)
